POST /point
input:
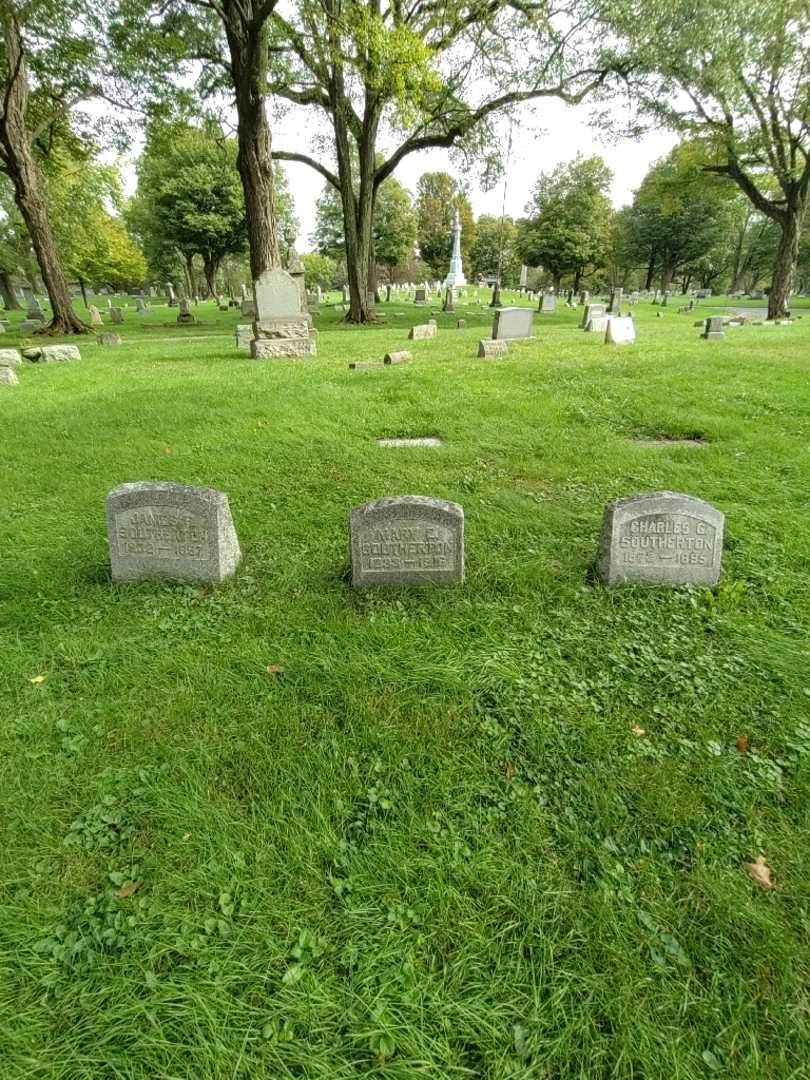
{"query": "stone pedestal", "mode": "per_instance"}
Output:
(281, 327)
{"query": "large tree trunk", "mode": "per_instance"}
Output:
(248, 51)
(577, 279)
(650, 272)
(667, 274)
(787, 256)
(7, 292)
(29, 189)
(211, 269)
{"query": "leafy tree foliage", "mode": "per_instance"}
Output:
(567, 228)
(494, 247)
(319, 270)
(734, 76)
(438, 196)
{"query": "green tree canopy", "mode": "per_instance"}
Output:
(494, 246)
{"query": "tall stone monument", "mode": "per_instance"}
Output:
(283, 326)
(455, 275)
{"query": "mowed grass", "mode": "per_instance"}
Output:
(492, 831)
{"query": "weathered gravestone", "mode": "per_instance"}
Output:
(243, 333)
(281, 328)
(598, 324)
(140, 306)
(615, 302)
(407, 540)
(461, 324)
(620, 331)
(10, 358)
(52, 354)
(449, 299)
(95, 316)
(401, 357)
(117, 315)
(185, 316)
(166, 530)
(420, 296)
(512, 322)
(108, 339)
(8, 377)
(662, 538)
(248, 308)
(30, 324)
(548, 304)
(590, 312)
(419, 333)
(489, 349)
(172, 299)
(714, 328)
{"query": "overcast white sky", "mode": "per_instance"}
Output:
(555, 133)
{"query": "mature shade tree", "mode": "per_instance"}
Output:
(394, 79)
(49, 62)
(494, 250)
(438, 196)
(394, 226)
(738, 77)
(567, 228)
(189, 194)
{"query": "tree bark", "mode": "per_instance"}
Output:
(211, 269)
(29, 189)
(248, 51)
(650, 272)
(7, 292)
(787, 256)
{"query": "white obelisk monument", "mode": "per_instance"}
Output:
(455, 275)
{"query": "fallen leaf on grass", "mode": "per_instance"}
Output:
(128, 890)
(37, 679)
(742, 743)
(760, 872)
(274, 669)
(510, 770)
(638, 730)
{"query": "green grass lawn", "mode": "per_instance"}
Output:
(492, 831)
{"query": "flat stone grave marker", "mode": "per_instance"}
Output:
(401, 357)
(512, 322)
(428, 440)
(166, 530)
(365, 365)
(52, 354)
(620, 331)
(662, 538)
(714, 328)
(30, 324)
(407, 540)
(108, 339)
(419, 333)
(243, 332)
(8, 377)
(10, 358)
(493, 350)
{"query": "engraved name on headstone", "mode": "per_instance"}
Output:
(661, 538)
(407, 540)
(166, 530)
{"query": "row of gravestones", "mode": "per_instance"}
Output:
(168, 530)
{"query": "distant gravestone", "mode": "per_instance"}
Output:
(512, 322)
(117, 315)
(591, 310)
(662, 538)
(166, 530)
(490, 349)
(407, 540)
(10, 358)
(140, 306)
(419, 333)
(8, 377)
(598, 324)
(248, 308)
(420, 296)
(461, 324)
(95, 316)
(184, 316)
(401, 357)
(108, 339)
(548, 304)
(616, 302)
(703, 294)
(714, 328)
(449, 299)
(620, 331)
(170, 294)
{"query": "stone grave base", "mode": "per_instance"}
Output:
(273, 348)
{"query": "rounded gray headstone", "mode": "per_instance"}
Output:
(165, 530)
(661, 538)
(407, 540)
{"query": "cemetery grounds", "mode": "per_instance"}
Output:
(283, 828)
